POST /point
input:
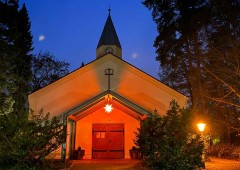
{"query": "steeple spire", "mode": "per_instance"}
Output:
(109, 10)
(109, 42)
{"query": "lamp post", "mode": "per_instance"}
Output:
(201, 128)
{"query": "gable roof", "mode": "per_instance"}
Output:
(86, 65)
(100, 100)
(109, 35)
(88, 81)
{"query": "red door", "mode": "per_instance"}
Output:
(108, 141)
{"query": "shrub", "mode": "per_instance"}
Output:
(166, 142)
(225, 151)
(25, 142)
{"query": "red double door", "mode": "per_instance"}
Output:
(108, 141)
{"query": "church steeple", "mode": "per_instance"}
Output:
(109, 42)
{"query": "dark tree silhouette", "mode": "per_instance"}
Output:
(46, 69)
(197, 40)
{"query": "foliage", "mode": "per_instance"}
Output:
(15, 43)
(198, 50)
(180, 44)
(167, 142)
(46, 69)
(25, 143)
(223, 66)
(225, 151)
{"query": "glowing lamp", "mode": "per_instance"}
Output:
(201, 126)
(108, 108)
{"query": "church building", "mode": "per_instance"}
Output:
(103, 102)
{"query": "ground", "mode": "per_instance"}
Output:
(222, 164)
(106, 165)
(215, 163)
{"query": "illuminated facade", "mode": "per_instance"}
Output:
(81, 98)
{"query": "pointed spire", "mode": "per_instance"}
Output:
(109, 10)
(109, 35)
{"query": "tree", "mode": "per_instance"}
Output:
(180, 45)
(224, 88)
(222, 68)
(24, 142)
(167, 142)
(15, 37)
(46, 69)
(197, 40)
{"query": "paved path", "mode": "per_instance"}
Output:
(125, 164)
(222, 164)
(214, 164)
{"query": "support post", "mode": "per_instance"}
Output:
(63, 154)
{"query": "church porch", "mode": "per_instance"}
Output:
(103, 135)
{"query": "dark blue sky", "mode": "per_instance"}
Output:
(70, 30)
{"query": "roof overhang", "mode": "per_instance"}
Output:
(100, 101)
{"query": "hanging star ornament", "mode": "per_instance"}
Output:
(108, 108)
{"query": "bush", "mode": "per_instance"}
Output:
(24, 143)
(225, 151)
(166, 142)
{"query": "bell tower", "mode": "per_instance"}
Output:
(109, 42)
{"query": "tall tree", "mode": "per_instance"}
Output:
(15, 37)
(180, 45)
(223, 65)
(197, 42)
(46, 69)
(24, 142)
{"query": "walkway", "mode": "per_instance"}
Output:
(113, 164)
(214, 164)
(222, 164)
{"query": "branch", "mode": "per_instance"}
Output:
(5, 137)
(228, 125)
(223, 101)
(221, 80)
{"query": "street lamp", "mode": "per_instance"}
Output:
(201, 128)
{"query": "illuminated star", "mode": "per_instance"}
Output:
(108, 108)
